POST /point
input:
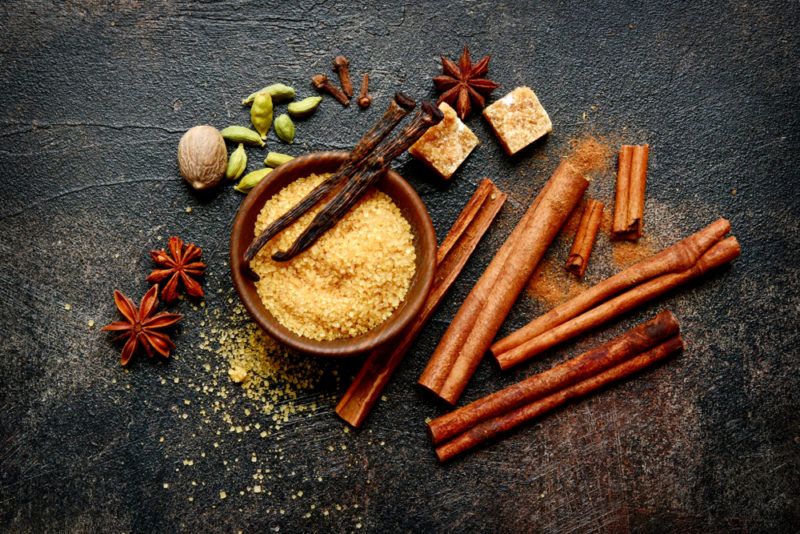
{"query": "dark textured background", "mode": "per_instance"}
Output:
(93, 99)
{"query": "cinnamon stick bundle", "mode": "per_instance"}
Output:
(475, 325)
(675, 266)
(578, 258)
(452, 255)
(629, 204)
(637, 340)
(492, 427)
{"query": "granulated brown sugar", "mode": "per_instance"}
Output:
(350, 280)
(268, 373)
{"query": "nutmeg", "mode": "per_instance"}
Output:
(202, 157)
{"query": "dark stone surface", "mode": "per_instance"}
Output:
(94, 99)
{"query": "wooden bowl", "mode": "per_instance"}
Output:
(413, 210)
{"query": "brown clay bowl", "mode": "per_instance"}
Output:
(413, 210)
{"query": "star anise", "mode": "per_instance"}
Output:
(464, 82)
(180, 266)
(141, 326)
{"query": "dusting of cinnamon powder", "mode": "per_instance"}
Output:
(350, 281)
(626, 253)
(590, 154)
(551, 283)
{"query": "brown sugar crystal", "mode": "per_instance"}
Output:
(444, 147)
(350, 281)
(518, 119)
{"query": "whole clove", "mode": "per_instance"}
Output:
(364, 100)
(324, 85)
(341, 66)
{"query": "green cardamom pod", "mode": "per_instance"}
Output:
(305, 107)
(284, 128)
(236, 163)
(278, 91)
(261, 114)
(251, 179)
(240, 134)
(276, 158)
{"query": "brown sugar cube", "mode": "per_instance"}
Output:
(444, 147)
(518, 119)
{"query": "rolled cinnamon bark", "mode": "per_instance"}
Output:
(578, 258)
(492, 427)
(677, 258)
(635, 341)
(466, 340)
(453, 253)
(620, 221)
(720, 254)
(631, 180)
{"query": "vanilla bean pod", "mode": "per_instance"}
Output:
(399, 107)
(429, 115)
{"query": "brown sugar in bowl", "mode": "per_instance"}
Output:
(412, 208)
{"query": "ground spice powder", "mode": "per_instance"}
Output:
(350, 281)
(590, 154)
(552, 284)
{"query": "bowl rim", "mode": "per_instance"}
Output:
(425, 243)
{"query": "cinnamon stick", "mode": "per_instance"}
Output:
(475, 325)
(578, 258)
(679, 257)
(620, 221)
(452, 255)
(720, 254)
(492, 427)
(629, 204)
(637, 340)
